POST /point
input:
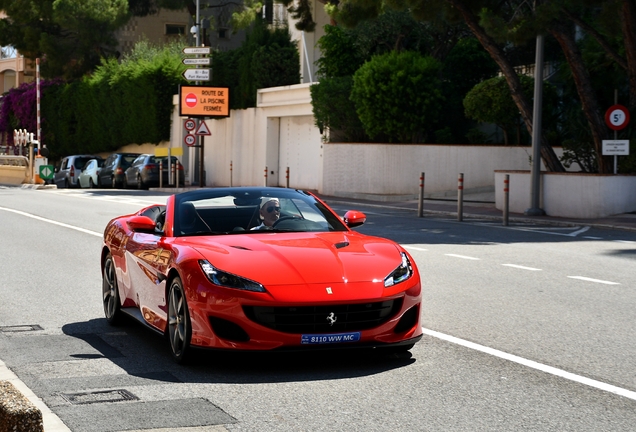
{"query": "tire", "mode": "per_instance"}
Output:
(91, 184)
(179, 329)
(110, 293)
(66, 185)
(113, 183)
(140, 184)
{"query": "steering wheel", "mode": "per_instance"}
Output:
(284, 218)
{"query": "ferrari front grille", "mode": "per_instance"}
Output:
(324, 319)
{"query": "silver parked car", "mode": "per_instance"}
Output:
(68, 170)
(89, 176)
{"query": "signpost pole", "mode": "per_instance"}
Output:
(615, 134)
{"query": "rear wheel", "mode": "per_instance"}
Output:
(110, 293)
(114, 183)
(179, 326)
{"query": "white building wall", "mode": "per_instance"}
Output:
(280, 133)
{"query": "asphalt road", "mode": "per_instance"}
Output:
(528, 327)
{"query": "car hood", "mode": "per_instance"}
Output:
(300, 258)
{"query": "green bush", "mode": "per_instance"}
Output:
(398, 95)
(334, 110)
(490, 101)
(120, 104)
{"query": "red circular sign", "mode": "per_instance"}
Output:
(189, 125)
(190, 139)
(617, 117)
(191, 100)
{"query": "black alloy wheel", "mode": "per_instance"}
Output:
(110, 293)
(179, 326)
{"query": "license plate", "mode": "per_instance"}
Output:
(309, 339)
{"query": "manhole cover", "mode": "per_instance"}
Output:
(99, 397)
(20, 328)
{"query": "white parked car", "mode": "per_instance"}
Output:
(88, 177)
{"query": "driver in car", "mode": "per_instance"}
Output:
(269, 213)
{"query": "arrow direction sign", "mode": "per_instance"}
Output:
(197, 74)
(196, 50)
(196, 61)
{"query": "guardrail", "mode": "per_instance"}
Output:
(13, 169)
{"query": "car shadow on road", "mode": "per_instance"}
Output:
(144, 353)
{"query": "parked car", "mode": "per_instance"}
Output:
(89, 176)
(68, 170)
(197, 271)
(144, 171)
(114, 169)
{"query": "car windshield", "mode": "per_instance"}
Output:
(126, 161)
(251, 210)
(80, 162)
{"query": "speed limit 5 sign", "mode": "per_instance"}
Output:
(617, 117)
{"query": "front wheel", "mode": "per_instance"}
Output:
(110, 293)
(179, 326)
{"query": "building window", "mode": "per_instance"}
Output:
(175, 29)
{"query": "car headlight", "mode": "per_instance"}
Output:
(229, 280)
(401, 273)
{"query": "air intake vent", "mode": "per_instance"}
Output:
(309, 319)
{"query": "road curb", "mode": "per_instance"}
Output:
(17, 413)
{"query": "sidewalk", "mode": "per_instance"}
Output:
(482, 206)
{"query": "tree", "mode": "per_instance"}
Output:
(71, 36)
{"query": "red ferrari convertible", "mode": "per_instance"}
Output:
(258, 269)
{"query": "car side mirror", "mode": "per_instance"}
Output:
(354, 218)
(141, 224)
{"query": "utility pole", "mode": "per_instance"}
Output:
(535, 174)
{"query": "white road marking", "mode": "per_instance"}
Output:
(53, 222)
(521, 267)
(414, 248)
(583, 278)
(463, 257)
(593, 238)
(534, 365)
(624, 241)
(581, 231)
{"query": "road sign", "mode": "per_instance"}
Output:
(46, 172)
(203, 129)
(196, 61)
(174, 151)
(190, 124)
(190, 140)
(196, 50)
(617, 117)
(201, 101)
(615, 147)
(197, 74)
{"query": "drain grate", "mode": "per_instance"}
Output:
(20, 328)
(99, 397)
